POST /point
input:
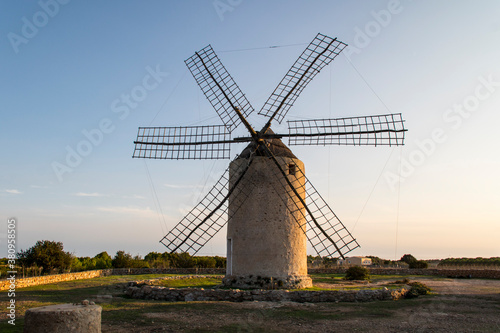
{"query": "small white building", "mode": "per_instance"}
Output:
(354, 261)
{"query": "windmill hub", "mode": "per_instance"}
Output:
(275, 145)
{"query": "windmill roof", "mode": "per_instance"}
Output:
(277, 147)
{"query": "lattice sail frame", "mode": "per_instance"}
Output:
(218, 86)
(378, 130)
(320, 52)
(186, 142)
(208, 217)
(324, 230)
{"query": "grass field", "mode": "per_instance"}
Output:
(121, 314)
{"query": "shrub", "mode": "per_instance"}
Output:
(408, 258)
(417, 289)
(418, 264)
(357, 273)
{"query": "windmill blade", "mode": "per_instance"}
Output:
(319, 53)
(326, 223)
(324, 230)
(208, 217)
(218, 86)
(379, 130)
(186, 142)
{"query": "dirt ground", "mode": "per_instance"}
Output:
(456, 305)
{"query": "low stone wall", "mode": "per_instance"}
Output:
(46, 279)
(267, 282)
(452, 273)
(38, 280)
(235, 295)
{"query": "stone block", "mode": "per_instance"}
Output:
(63, 318)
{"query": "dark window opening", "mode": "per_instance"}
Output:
(291, 169)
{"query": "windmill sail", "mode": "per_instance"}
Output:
(207, 217)
(379, 130)
(324, 230)
(218, 86)
(319, 53)
(186, 142)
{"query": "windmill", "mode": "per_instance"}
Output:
(269, 204)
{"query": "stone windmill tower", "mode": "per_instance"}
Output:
(270, 206)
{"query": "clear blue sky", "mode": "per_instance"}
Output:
(67, 65)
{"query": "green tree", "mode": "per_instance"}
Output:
(138, 262)
(152, 256)
(418, 264)
(122, 260)
(182, 260)
(408, 258)
(205, 262)
(220, 262)
(103, 260)
(48, 255)
(87, 263)
(329, 262)
(376, 260)
(157, 260)
(413, 262)
(76, 265)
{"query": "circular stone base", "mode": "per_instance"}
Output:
(63, 318)
(266, 282)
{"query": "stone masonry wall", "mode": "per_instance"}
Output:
(46, 279)
(38, 280)
(235, 295)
